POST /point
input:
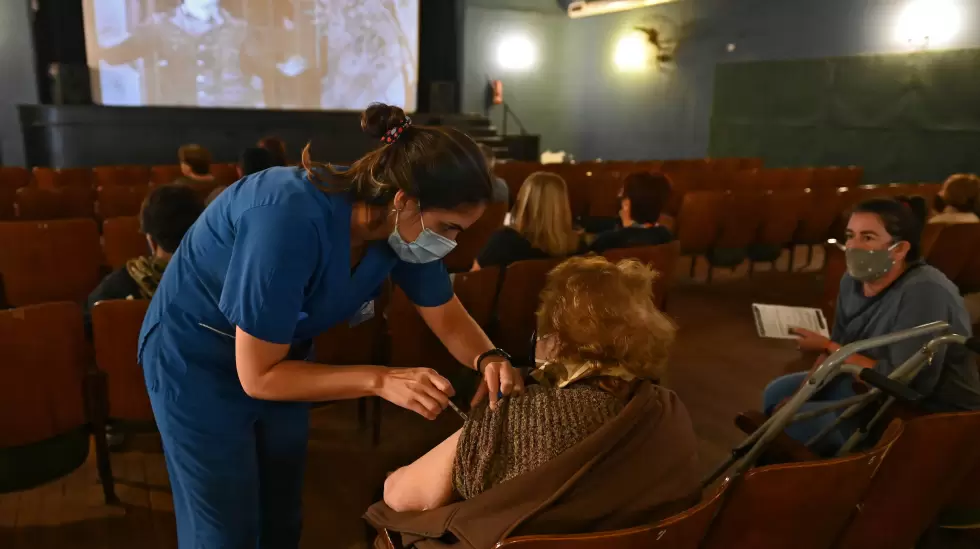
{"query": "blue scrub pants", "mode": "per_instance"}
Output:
(236, 469)
(838, 389)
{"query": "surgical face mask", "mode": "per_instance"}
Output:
(869, 265)
(428, 247)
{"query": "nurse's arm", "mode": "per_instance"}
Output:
(265, 375)
(457, 331)
(425, 484)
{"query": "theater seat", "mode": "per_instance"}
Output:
(662, 258)
(50, 178)
(116, 326)
(122, 240)
(120, 200)
(136, 176)
(471, 241)
(164, 174)
(517, 304)
(954, 249)
(11, 179)
(59, 203)
(699, 221)
(42, 409)
(800, 505)
(740, 219)
(49, 261)
(224, 174)
(781, 213)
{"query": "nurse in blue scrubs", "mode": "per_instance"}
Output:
(276, 259)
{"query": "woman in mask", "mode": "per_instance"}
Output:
(888, 287)
(276, 259)
(595, 445)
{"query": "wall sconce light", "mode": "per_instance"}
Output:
(633, 52)
(516, 53)
(928, 23)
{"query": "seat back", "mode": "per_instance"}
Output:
(165, 174)
(35, 203)
(120, 200)
(414, 345)
(43, 370)
(49, 260)
(662, 258)
(920, 474)
(472, 240)
(699, 220)
(817, 220)
(116, 327)
(741, 219)
(518, 302)
(799, 505)
(364, 343)
(137, 176)
(11, 179)
(682, 531)
(225, 174)
(51, 178)
(834, 268)
(954, 248)
(122, 240)
(781, 213)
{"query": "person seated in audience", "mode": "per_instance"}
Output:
(641, 202)
(542, 225)
(167, 213)
(957, 201)
(195, 165)
(501, 193)
(254, 160)
(596, 444)
(888, 287)
(277, 148)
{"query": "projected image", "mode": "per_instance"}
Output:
(282, 54)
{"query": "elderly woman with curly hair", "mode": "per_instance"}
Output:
(596, 444)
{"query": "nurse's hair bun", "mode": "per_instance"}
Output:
(379, 118)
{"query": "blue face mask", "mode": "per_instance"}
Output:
(428, 247)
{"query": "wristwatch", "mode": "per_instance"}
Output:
(497, 352)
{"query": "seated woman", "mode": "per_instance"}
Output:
(596, 445)
(887, 288)
(167, 213)
(542, 226)
(642, 200)
(957, 201)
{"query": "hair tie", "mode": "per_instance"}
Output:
(394, 133)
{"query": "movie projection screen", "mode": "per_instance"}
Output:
(275, 54)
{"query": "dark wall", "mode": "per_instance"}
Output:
(666, 113)
(17, 76)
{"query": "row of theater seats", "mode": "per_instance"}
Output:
(101, 192)
(62, 259)
(884, 498)
(593, 187)
(46, 356)
(950, 248)
(730, 226)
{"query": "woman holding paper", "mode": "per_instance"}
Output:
(888, 287)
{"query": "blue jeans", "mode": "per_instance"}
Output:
(838, 389)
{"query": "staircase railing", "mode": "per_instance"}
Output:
(508, 112)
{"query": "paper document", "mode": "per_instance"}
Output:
(776, 320)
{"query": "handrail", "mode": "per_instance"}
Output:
(510, 111)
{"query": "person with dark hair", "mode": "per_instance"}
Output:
(278, 258)
(501, 192)
(957, 201)
(254, 160)
(888, 287)
(276, 148)
(195, 165)
(642, 200)
(166, 215)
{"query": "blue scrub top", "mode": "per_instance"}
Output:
(272, 255)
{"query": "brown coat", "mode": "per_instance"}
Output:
(636, 469)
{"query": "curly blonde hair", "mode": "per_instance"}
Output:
(604, 313)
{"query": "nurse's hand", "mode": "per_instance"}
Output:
(420, 390)
(500, 378)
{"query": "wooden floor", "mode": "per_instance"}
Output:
(719, 367)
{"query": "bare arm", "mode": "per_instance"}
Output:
(265, 375)
(425, 484)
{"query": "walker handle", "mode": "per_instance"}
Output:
(889, 386)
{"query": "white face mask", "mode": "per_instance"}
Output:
(428, 247)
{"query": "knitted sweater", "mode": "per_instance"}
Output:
(525, 432)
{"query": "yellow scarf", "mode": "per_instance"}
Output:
(146, 272)
(563, 374)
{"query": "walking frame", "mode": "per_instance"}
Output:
(894, 386)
